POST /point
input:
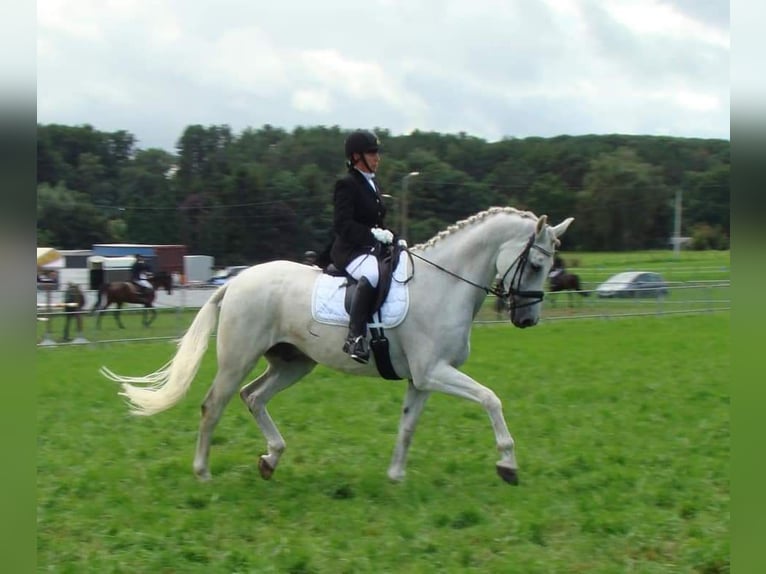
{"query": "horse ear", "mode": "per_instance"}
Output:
(559, 230)
(541, 221)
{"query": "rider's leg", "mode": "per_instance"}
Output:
(145, 288)
(365, 269)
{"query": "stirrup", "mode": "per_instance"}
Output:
(356, 349)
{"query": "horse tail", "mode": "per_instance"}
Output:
(160, 390)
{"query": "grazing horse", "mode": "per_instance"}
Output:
(565, 281)
(267, 311)
(121, 292)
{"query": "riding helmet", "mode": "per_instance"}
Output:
(361, 141)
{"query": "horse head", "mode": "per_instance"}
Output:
(162, 279)
(523, 264)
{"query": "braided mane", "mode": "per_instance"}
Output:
(463, 223)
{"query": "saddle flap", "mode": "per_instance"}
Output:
(329, 294)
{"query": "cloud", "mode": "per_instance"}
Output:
(489, 68)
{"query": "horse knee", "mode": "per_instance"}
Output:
(491, 401)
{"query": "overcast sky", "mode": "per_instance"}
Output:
(489, 68)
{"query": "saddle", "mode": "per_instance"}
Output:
(387, 256)
(139, 291)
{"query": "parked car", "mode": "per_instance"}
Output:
(633, 284)
(223, 276)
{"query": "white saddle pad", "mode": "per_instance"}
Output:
(329, 293)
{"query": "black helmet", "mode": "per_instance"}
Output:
(361, 141)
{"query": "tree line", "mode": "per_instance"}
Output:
(266, 193)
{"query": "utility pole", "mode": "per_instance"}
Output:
(405, 204)
(677, 224)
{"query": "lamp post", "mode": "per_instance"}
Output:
(405, 203)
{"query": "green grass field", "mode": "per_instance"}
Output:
(622, 433)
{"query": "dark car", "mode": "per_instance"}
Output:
(224, 275)
(633, 284)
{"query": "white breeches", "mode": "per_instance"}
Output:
(366, 265)
(144, 283)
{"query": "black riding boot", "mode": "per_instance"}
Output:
(356, 342)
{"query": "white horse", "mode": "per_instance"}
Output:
(266, 311)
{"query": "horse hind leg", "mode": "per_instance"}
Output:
(287, 365)
(224, 386)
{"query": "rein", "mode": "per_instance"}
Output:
(499, 291)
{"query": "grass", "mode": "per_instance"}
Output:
(622, 431)
(595, 268)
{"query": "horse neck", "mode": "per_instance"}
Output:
(473, 250)
(159, 284)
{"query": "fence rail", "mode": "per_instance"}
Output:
(56, 327)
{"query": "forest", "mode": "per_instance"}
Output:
(266, 193)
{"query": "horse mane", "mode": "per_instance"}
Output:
(463, 223)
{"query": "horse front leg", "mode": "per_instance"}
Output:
(449, 380)
(117, 318)
(414, 401)
(149, 315)
(99, 312)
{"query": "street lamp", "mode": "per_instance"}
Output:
(405, 202)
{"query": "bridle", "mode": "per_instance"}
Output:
(514, 286)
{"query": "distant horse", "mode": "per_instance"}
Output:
(121, 292)
(565, 281)
(266, 311)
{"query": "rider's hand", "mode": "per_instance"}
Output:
(382, 235)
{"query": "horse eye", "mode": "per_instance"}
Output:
(535, 266)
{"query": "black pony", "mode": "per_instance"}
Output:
(562, 280)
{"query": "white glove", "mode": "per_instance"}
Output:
(382, 235)
(402, 244)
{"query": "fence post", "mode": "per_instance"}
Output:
(47, 336)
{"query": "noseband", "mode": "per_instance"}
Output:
(515, 284)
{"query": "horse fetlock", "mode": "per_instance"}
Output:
(506, 445)
(276, 449)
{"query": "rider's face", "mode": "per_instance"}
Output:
(372, 159)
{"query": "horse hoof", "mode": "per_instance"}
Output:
(509, 475)
(265, 469)
(203, 475)
(396, 476)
